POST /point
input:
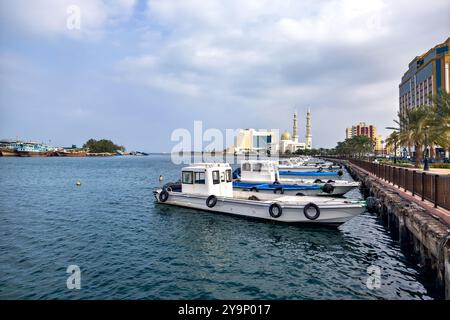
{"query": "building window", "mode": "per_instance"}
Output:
(199, 177)
(228, 174)
(216, 177)
(187, 177)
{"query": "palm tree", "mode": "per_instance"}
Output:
(392, 141)
(426, 124)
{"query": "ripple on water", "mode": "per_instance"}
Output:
(129, 248)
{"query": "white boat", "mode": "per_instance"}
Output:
(263, 176)
(208, 186)
(294, 165)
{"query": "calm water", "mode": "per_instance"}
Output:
(129, 248)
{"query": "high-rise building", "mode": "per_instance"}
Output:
(427, 75)
(370, 131)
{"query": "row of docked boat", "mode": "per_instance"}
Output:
(32, 149)
(260, 191)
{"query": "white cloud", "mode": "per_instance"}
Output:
(49, 17)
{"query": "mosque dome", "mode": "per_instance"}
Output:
(286, 136)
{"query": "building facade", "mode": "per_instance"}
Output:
(255, 141)
(370, 131)
(427, 75)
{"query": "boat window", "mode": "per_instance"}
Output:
(229, 177)
(199, 178)
(187, 177)
(222, 177)
(257, 167)
(246, 167)
(216, 177)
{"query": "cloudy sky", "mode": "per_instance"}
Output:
(136, 70)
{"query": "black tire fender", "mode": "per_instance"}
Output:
(211, 201)
(307, 207)
(163, 196)
(278, 189)
(328, 188)
(275, 210)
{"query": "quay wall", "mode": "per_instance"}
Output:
(424, 239)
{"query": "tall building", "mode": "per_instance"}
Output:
(370, 131)
(427, 75)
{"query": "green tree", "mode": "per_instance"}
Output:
(103, 145)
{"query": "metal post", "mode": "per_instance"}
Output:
(413, 178)
(436, 177)
(423, 186)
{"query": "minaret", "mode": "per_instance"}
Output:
(295, 129)
(308, 130)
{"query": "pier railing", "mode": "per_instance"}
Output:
(431, 187)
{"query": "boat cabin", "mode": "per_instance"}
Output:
(259, 170)
(207, 179)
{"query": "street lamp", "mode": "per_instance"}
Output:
(395, 143)
(425, 161)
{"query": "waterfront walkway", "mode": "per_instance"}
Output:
(439, 213)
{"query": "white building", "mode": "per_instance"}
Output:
(255, 141)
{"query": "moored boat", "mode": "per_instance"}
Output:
(33, 150)
(209, 186)
(263, 176)
(66, 153)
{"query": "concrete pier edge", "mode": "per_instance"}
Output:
(423, 238)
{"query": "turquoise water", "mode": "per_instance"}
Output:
(129, 248)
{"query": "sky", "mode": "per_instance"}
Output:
(135, 71)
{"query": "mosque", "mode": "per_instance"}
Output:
(290, 145)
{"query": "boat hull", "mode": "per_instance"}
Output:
(303, 174)
(33, 153)
(308, 168)
(338, 190)
(71, 154)
(7, 152)
(330, 214)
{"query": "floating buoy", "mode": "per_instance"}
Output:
(78, 183)
(161, 178)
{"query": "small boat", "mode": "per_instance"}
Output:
(71, 153)
(295, 165)
(8, 152)
(263, 176)
(209, 186)
(8, 148)
(317, 173)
